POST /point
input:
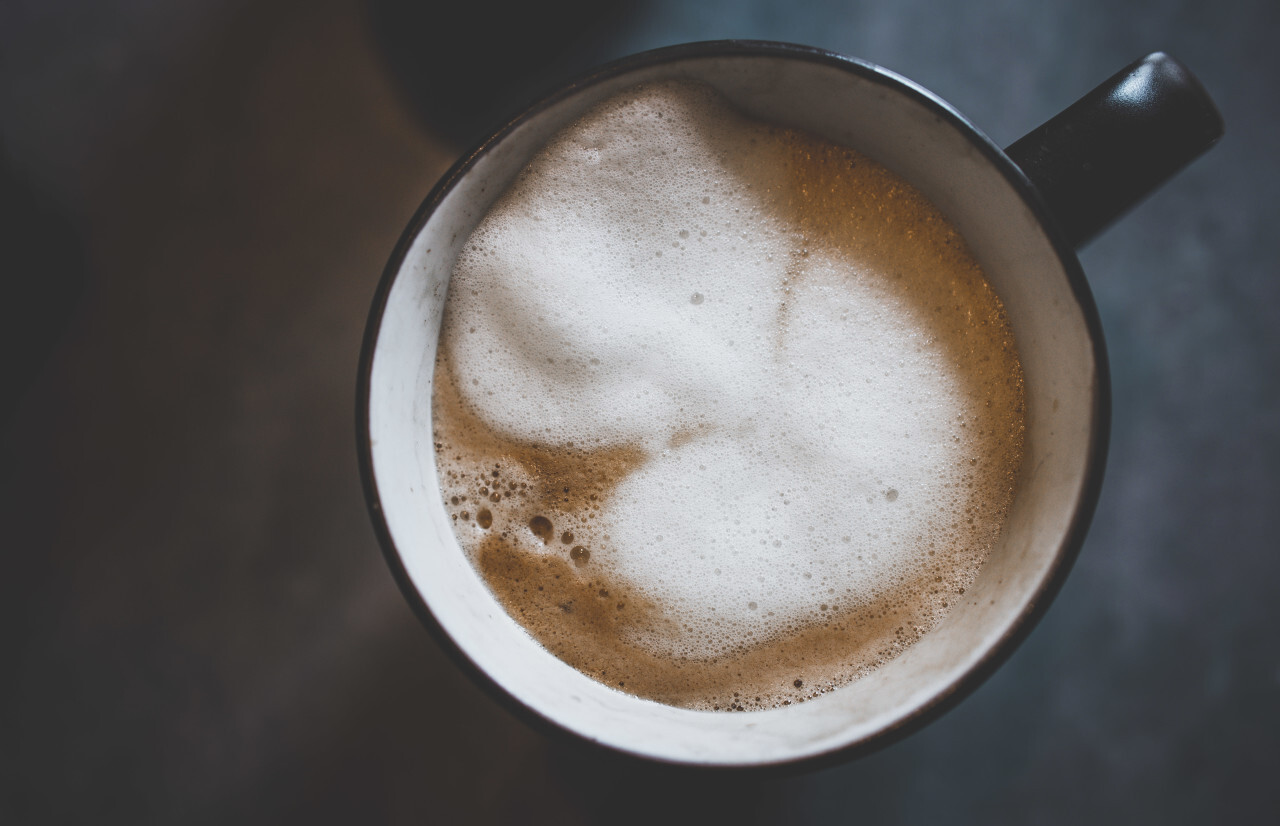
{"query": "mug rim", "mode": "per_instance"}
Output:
(1056, 573)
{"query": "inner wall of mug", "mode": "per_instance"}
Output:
(911, 137)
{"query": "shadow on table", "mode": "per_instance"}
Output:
(467, 66)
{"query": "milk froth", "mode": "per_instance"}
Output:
(724, 414)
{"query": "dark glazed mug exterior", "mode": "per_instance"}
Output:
(1022, 216)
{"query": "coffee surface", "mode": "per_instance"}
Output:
(725, 415)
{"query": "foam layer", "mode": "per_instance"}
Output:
(719, 403)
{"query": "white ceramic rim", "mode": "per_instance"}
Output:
(572, 703)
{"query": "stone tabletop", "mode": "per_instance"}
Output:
(196, 618)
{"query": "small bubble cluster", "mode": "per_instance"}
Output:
(727, 416)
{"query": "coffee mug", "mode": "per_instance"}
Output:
(1023, 212)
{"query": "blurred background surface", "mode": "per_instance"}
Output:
(197, 623)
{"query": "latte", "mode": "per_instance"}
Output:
(725, 415)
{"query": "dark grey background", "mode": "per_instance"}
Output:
(197, 623)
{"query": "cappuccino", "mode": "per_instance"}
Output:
(725, 415)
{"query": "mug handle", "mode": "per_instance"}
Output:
(1113, 147)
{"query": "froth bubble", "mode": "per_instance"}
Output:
(542, 528)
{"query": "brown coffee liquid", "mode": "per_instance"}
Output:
(726, 416)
